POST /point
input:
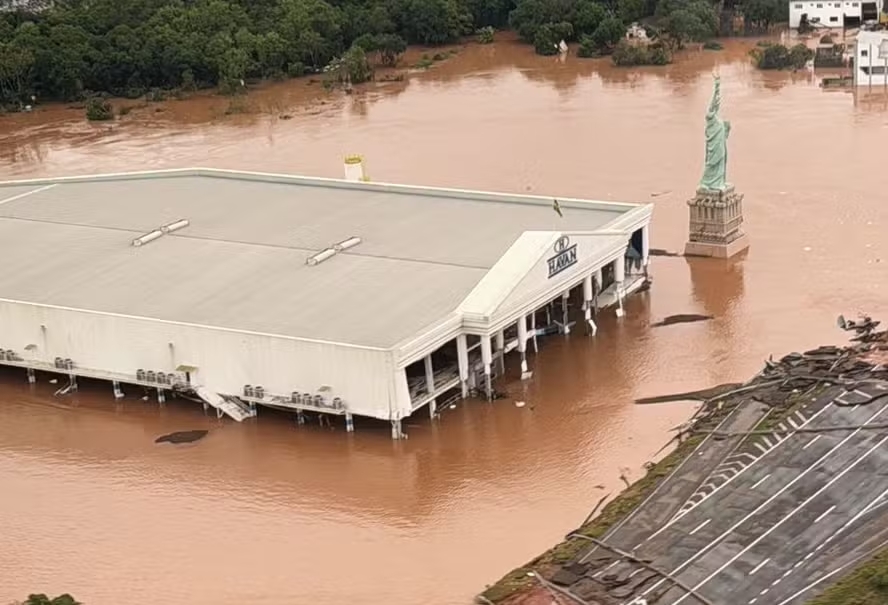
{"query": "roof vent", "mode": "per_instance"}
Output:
(148, 237)
(175, 226)
(349, 243)
(320, 257)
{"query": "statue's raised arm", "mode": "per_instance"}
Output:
(717, 131)
(715, 103)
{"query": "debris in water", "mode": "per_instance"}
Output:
(681, 318)
(54, 381)
(519, 404)
(182, 437)
(659, 193)
(807, 248)
(661, 252)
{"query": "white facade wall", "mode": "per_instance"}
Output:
(871, 59)
(830, 14)
(365, 379)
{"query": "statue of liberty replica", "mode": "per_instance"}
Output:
(716, 212)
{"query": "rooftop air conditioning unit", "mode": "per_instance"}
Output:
(59, 362)
(140, 375)
(248, 390)
(2, 354)
(69, 364)
(260, 392)
(337, 403)
(296, 397)
(306, 399)
(319, 400)
(172, 379)
(150, 376)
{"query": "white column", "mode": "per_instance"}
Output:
(349, 423)
(522, 341)
(565, 297)
(587, 304)
(620, 277)
(430, 374)
(533, 329)
(462, 355)
(118, 393)
(487, 359)
(396, 430)
(501, 349)
(645, 245)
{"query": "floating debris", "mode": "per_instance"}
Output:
(182, 437)
(661, 252)
(681, 318)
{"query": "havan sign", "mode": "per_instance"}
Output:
(565, 256)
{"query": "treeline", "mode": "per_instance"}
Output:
(129, 47)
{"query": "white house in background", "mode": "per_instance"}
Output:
(871, 59)
(831, 14)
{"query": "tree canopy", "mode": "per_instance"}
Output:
(129, 47)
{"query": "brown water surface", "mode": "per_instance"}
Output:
(268, 513)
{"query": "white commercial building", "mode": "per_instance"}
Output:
(832, 14)
(870, 67)
(298, 293)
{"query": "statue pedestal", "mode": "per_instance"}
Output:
(715, 224)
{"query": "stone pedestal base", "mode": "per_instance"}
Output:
(715, 224)
(717, 250)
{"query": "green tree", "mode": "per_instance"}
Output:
(432, 21)
(631, 11)
(15, 73)
(587, 17)
(610, 31)
(691, 21)
(530, 15)
(42, 599)
(763, 13)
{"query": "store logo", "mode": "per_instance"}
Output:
(562, 244)
(565, 256)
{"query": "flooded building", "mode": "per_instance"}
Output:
(870, 66)
(303, 294)
(847, 13)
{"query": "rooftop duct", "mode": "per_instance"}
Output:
(148, 237)
(346, 244)
(320, 257)
(175, 226)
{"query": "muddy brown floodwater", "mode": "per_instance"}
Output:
(268, 513)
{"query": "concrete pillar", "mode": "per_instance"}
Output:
(620, 278)
(300, 417)
(349, 423)
(565, 297)
(72, 383)
(645, 245)
(32, 378)
(429, 374)
(501, 347)
(161, 396)
(118, 393)
(487, 359)
(522, 341)
(396, 430)
(533, 330)
(462, 355)
(433, 409)
(587, 304)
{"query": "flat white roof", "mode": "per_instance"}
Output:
(241, 262)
